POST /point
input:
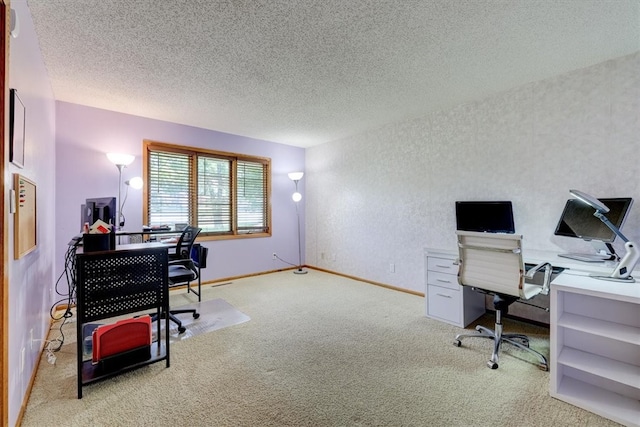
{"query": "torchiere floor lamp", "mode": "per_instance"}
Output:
(295, 177)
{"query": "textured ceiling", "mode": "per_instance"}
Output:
(304, 72)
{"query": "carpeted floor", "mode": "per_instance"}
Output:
(319, 350)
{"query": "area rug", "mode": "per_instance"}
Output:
(214, 314)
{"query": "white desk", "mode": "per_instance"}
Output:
(447, 301)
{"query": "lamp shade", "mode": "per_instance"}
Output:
(590, 200)
(295, 176)
(135, 182)
(120, 159)
(296, 197)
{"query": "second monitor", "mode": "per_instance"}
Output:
(577, 220)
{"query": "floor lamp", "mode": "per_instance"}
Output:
(295, 177)
(121, 161)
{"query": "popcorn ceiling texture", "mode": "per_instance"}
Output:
(383, 196)
(305, 72)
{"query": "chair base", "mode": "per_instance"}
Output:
(518, 340)
(174, 319)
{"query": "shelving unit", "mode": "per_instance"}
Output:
(117, 283)
(595, 346)
(445, 299)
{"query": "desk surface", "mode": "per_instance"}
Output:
(147, 232)
(581, 282)
(135, 246)
(537, 256)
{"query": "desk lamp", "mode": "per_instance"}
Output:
(623, 270)
(121, 161)
(295, 177)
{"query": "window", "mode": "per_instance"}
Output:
(225, 194)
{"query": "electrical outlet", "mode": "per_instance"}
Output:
(22, 359)
(273, 256)
(392, 268)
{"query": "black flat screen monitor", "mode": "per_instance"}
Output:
(103, 208)
(577, 219)
(488, 217)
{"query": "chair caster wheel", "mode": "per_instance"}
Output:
(181, 329)
(492, 364)
(196, 315)
(457, 343)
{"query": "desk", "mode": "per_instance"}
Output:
(130, 279)
(447, 301)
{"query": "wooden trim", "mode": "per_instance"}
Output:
(359, 279)
(149, 146)
(5, 26)
(384, 285)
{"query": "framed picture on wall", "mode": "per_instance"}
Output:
(17, 115)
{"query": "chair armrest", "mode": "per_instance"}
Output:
(547, 275)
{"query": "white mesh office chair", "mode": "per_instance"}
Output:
(492, 263)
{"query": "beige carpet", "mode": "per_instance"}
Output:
(319, 350)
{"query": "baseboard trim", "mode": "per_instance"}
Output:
(218, 282)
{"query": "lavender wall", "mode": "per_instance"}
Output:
(31, 277)
(85, 135)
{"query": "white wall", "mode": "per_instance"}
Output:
(31, 278)
(383, 196)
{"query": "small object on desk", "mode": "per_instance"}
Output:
(100, 227)
(163, 227)
(169, 240)
(588, 257)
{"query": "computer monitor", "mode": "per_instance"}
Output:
(577, 221)
(95, 208)
(485, 216)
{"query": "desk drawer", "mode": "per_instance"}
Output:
(444, 304)
(445, 280)
(442, 265)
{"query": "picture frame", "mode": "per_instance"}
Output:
(17, 119)
(25, 221)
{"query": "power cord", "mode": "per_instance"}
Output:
(275, 256)
(51, 357)
(69, 294)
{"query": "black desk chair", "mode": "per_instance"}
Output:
(185, 243)
(184, 267)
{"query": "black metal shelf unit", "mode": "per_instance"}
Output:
(116, 283)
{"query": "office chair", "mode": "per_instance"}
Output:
(492, 263)
(184, 267)
(185, 243)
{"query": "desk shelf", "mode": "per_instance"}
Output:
(603, 328)
(93, 373)
(595, 347)
(117, 283)
(614, 406)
